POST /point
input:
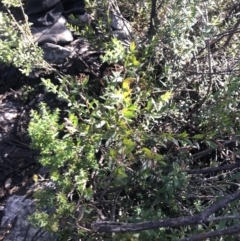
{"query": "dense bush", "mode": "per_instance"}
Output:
(154, 145)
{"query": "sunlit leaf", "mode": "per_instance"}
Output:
(153, 155)
(132, 46)
(112, 153)
(129, 146)
(135, 61)
(35, 177)
(126, 94)
(166, 97)
(127, 99)
(126, 83)
(128, 113)
(100, 124)
(55, 175)
(74, 120)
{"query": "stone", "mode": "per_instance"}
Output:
(15, 223)
(55, 54)
(9, 113)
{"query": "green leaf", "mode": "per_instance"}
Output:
(129, 146)
(135, 62)
(198, 136)
(128, 113)
(147, 152)
(132, 46)
(166, 97)
(153, 155)
(175, 182)
(235, 176)
(120, 172)
(73, 118)
(55, 175)
(88, 193)
(112, 153)
(212, 144)
(183, 135)
(157, 201)
(85, 81)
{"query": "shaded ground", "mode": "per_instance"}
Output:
(17, 163)
(18, 95)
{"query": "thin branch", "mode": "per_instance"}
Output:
(203, 153)
(111, 190)
(231, 35)
(110, 227)
(177, 90)
(213, 169)
(203, 236)
(214, 73)
(160, 5)
(200, 104)
(219, 204)
(226, 218)
(208, 151)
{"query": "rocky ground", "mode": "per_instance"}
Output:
(18, 162)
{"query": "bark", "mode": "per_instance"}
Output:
(202, 217)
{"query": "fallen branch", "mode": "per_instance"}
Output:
(115, 227)
(203, 236)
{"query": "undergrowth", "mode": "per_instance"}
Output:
(123, 156)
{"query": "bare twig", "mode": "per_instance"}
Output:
(214, 73)
(213, 169)
(232, 33)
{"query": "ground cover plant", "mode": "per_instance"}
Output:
(149, 150)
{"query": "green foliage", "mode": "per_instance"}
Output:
(16, 43)
(126, 125)
(115, 52)
(122, 156)
(68, 161)
(112, 119)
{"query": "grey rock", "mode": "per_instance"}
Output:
(117, 22)
(121, 35)
(121, 27)
(55, 54)
(16, 213)
(9, 114)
